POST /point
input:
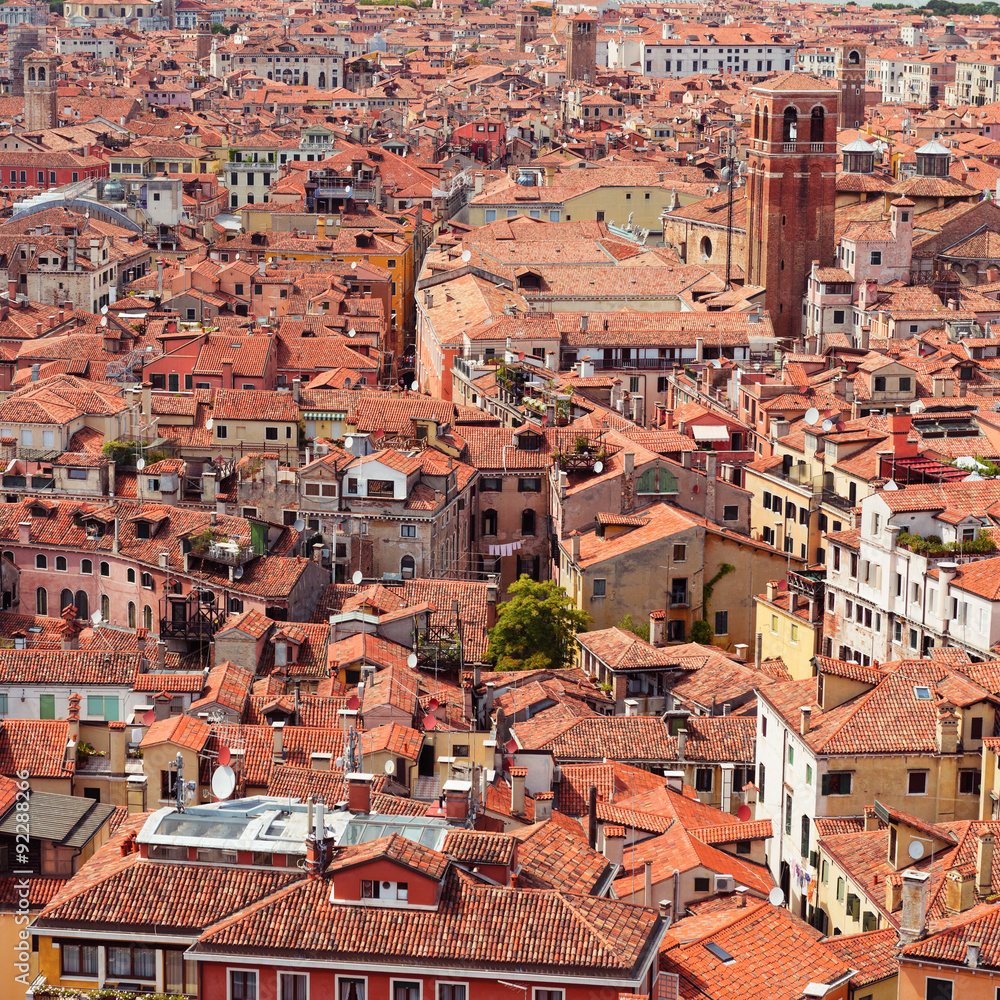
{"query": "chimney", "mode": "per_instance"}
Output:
(278, 749)
(161, 655)
(136, 794)
(456, 801)
(543, 806)
(648, 883)
(758, 650)
(946, 729)
(913, 923)
(297, 389)
(972, 954)
(675, 781)
(960, 890)
(682, 736)
(805, 717)
(227, 374)
(321, 761)
(614, 844)
(984, 862)
(517, 776)
(161, 706)
(23, 532)
(359, 793)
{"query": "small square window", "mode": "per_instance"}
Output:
(916, 783)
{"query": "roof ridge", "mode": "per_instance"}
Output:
(862, 700)
(566, 899)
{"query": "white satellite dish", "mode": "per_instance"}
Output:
(208, 424)
(238, 573)
(354, 265)
(348, 443)
(598, 467)
(891, 486)
(352, 332)
(223, 782)
(915, 850)
(104, 321)
(716, 362)
(141, 464)
(390, 767)
(812, 415)
(776, 897)
(136, 735)
(414, 385)
(348, 190)
(411, 660)
(973, 477)
(299, 524)
(828, 425)
(96, 617)
(237, 256)
(104, 310)
(357, 577)
(466, 256)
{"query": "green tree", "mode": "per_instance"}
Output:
(641, 630)
(535, 628)
(701, 632)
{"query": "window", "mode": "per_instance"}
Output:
(702, 884)
(836, 783)
(407, 531)
(809, 774)
(939, 989)
(455, 991)
(703, 779)
(678, 591)
(527, 522)
(137, 963)
(841, 890)
(293, 986)
(86, 567)
(876, 258)
(721, 622)
(916, 782)
(838, 317)
(490, 485)
(788, 815)
(270, 433)
(407, 567)
(529, 486)
(381, 488)
(221, 431)
(351, 989)
(79, 959)
(969, 781)
(103, 707)
(600, 588)
(489, 522)
(904, 385)
(730, 513)
(405, 990)
(760, 777)
(41, 602)
(147, 581)
(130, 575)
(791, 755)
(680, 553)
(744, 847)
(774, 624)
(242, 984)
(41, 562)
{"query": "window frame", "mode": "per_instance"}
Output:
(230, 969)
(338, 980)
(292, 972)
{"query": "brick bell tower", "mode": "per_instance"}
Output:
(851, 71)
(791, 190)
(526, 27)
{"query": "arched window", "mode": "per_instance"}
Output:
(131, 576)
(789, 125)
(816, 120)
(41, 562)
(147, 616)
(131, 614)
(61, 564)
(82, 602)
(854, 57)
(86, 567)
(9, 555)
(147, 581)
(31, 74)
(527, 522)
(407, 567)
(489, 522)
(41, 601)
(756, 123)
(105, 569)
(106, 607)
(65, 599)
(41, 74)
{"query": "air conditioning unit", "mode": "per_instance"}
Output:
(724, 883)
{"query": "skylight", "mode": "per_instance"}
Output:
(720, 953)
(922, 693)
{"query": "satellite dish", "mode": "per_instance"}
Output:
(716, 362)
(141, 464)
(414, 385)
(776, 897)
(238, 573)
(743, 813)
(352, 332)
(915, 850)
(353, 703)
(357, 577)
(136, 735)
(348, 443)
(390, 767)
(891, 486)
(299, 524)
(96, 617)
(812, 415)
(348, 190)
(433, 704)
(148, 718)
(466, 256)
(828, 425)
(598, 467)
(429, 722)
(411, 660)
(104, 310)
(208, 424)
(104, 321)
(223, 782)
(354, 265)
(225, 756)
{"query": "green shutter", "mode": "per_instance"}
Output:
(258, 537)
(47, 706)
(825, 785)
(95, 705)
(111, 708)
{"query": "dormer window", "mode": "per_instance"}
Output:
(922, 693)
(385, 890)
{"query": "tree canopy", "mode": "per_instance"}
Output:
(535, 628)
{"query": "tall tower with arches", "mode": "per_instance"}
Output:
(40, 70)
(791, 192)
(851, 74)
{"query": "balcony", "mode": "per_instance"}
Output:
(251, 165)
(229, 553)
